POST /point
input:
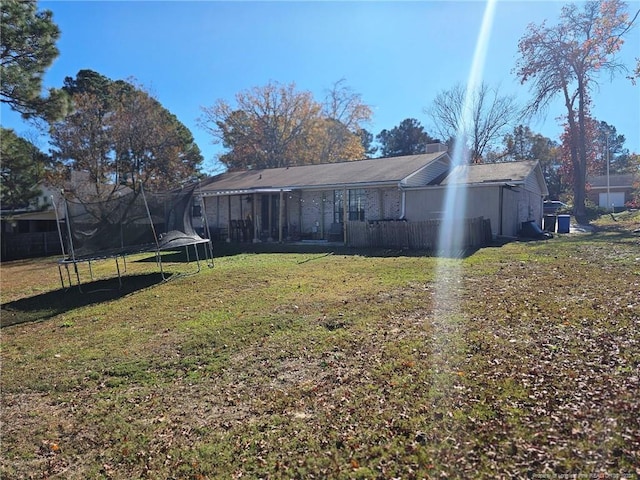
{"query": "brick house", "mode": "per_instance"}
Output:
(313, 201)
(616, 195)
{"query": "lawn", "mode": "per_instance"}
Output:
(521, 360)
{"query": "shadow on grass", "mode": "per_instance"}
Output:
(178, 256)
(328, 248)
(47, 305)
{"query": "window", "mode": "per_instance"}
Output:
(356, 211)
(357, 200)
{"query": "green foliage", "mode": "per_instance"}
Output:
(120, 134)
(593, 211)
(22, 168)
(28, 49)
(523, 144)
(408, 138)
(366, 139)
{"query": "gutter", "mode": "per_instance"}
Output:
(340, 186)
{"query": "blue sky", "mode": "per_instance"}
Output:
(397, 55)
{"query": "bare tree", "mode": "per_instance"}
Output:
(490, 115)
(344, 115)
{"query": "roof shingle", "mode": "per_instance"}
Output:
(365, 172)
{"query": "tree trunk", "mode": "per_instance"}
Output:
(580, 174)
(578, 193)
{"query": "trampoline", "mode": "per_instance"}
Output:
(127, 223)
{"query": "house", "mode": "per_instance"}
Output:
(508, 194)
(313, 201)
(33, 230)
(611, 193)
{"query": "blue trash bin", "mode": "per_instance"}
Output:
(563, 223)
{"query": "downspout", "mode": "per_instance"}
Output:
(403, 201)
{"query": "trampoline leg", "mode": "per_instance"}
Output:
(118, 269)
(61, 276)
(68, 275)
(195, 248)
(75, 267)
(209, 253)
(159, 262)
(90, 271)
(186, 251)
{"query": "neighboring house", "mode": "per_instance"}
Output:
(31, 231)
(313, 201)
(37, 217)
(508, 194)
(614, 196)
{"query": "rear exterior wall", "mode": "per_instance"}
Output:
(506, 210)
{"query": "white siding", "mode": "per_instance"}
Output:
(518, 206)
(427, 174)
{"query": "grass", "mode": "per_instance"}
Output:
(316, 365)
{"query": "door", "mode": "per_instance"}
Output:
(616, 199)
(270, 211)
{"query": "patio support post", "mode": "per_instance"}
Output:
(300, 203)
(345, 214)
(229, 219)
(322, 201)
(254, 219)
(217, 211)
(269, 237)
(280, 215)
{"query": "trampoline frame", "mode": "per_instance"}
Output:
(71, 259)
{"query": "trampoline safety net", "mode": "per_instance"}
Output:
(131, 222)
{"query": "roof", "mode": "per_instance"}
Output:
(36, 215)
(505, 172)
(616, 181)
(375, 171)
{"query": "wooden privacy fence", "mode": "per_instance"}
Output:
(476, 232)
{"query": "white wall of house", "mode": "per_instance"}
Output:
(518, 205)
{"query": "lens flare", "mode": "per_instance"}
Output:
(448, 322)
(454, 208)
